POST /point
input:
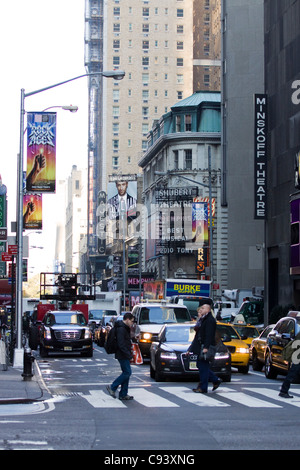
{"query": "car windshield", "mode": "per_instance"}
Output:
(227, 330)
(247, 331)
(96, 314)
(180, 335)
(160, 315)
(65, 319)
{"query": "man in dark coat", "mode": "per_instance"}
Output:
(204, 338)
(123, 354)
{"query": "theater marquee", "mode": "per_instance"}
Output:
(260, 156)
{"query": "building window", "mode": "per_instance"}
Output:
(179, 62)
(179, 95)
(145, 27)
(145, 45)
(116, 95)
(145, 78)
(116, 11)
(180, 28)
(145, 11)
(188, 159)
(116, 27)
(115, 127)
(188, 122)
(145, 111)
(178, 123)
(115, 144)
(175, 153)
(179, 78)
(115, 162)
(145, 61)
(116, 111)
(116, 43)
(116, 60)
(179, 12)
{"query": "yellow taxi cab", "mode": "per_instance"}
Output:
(246, 332)
(239, 350)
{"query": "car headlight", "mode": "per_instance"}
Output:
(146, 337)
(242, 350)
(221, 355)
(168, 355)
(47, 333)
(87, 334)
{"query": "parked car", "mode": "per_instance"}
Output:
(149, 318)
(258, 349)
(169, 357)
(238, 349)
(106, 323)
(65, 331)
(284, 331)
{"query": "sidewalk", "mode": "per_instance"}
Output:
(14, 389)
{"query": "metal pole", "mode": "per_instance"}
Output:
(115, 74)
(18, 356)
(124, 221)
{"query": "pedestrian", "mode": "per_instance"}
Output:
(291, 354)
(123, 354)
(203, 343)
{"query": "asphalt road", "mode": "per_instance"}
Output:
(165, 417)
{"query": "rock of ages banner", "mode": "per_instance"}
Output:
(41, 152)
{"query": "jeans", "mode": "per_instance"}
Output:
(206, 375)
(292, 374)
(123, 379)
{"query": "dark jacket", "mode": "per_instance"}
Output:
(205, 334)
(123, 341)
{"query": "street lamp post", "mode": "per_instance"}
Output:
(116, 75)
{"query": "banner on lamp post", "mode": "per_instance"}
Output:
(32, 211)
(41, 152)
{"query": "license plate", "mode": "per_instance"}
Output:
(67, 348)
(193, 365)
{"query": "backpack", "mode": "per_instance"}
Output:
(110, 345)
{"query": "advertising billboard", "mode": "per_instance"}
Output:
(41, 152)
(122, 196)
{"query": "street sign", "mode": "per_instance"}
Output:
(13, 249)
(3, 234)
(5, 256)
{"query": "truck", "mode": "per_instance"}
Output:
(249, 305)
(61, 291)
(238, 296)
(189, 292)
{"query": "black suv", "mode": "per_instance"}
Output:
(284, 331)
(65, 331)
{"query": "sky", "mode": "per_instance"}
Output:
(42, 43)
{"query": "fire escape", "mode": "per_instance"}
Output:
(94, 63)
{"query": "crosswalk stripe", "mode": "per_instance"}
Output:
(151, 400)
(244, 399)
(196, 398)
(101, 399)
(274, 395)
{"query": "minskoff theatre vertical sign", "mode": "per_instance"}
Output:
(260, 156)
